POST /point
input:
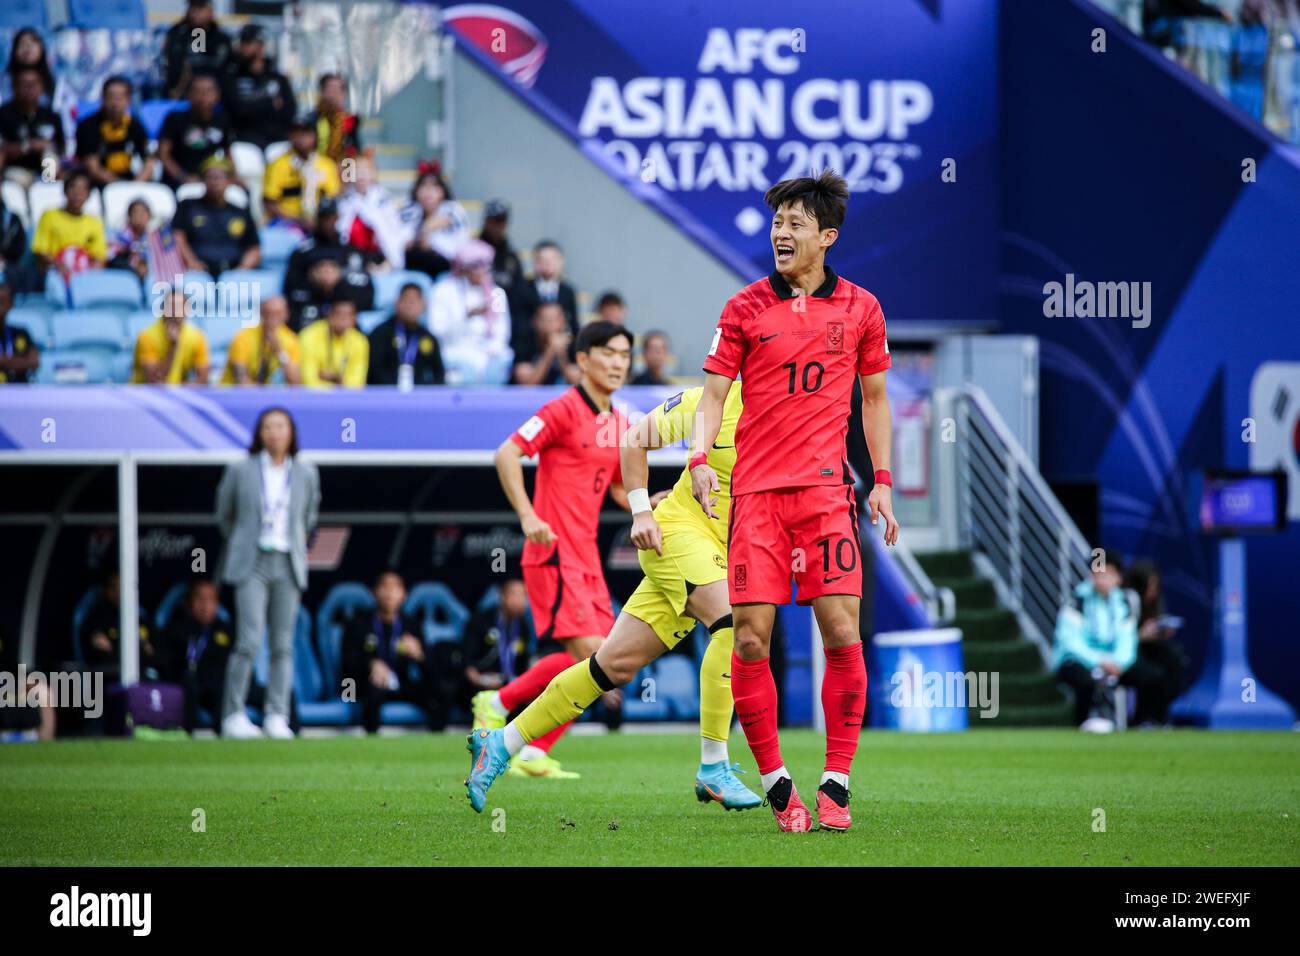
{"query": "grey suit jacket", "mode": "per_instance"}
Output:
(239, 515)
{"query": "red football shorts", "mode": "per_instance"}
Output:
(808, 535)
(567, 602)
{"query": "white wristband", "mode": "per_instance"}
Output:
(638, 499)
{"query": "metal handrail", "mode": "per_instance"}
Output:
(995, 503)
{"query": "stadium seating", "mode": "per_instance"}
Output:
(89, 328)
(119, 196)
(342, 601)
(389, 284)
(77, 366)
(107, 14)
(267, 282)
(153, 112)
(220, 331)
(278, 244)
(15, 14)
(248, 159)
(105, 287)
(15, 200)
(171, 602)
(235, 195)
(35, 321)
(444, 616)
(368, 320)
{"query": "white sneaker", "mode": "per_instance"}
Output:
(276, 727)
(238, 727)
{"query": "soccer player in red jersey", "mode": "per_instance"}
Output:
(576, 438)
(797, 338)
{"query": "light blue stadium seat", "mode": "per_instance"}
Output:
(220, 330)
(76, 366)
(35, 321)
(153, 112)
(267, 282)
(89, 328)
(342, 601)
(121, 364)
(106, 287)
(278, 244)
(444, 616)
(15, 14)
(389, 284)
(56, 290)
(319, 704)
(107, 14)
(369, 320)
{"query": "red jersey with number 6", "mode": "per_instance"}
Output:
(797, 356)
(577, 448)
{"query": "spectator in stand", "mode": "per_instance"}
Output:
(194, 652)
(327, 282)
(507, 270)
(1158, 646)
(494, 648)
(369, 218)
(338, 132)
(100, 649)
(212, 234)
(266, 354)
(334, 352)
(152, 254)
(386, 658)
(32, 133)
(19, 355)
(546, 285)
(184, 57)
(295, 183)
(402, 340)
(544, 359)
(111, 143)
(71, 239)
(610, 307)
(267, 508)
(470, 316)
(436, 225)
(260, 99)
(173, 350)
(190, 137)
(656, 356)
(27, 49)
(1096, 639)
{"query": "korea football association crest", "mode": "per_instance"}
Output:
(834, 338)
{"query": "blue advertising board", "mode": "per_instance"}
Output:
(699, 108)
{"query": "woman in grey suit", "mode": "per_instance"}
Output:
(267, 507)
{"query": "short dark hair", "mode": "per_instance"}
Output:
(654, 334)
(73, 176)
(609, 298)
(547, 244)
(256, 445)
(326, 77)
(601, 332)
(385, 572)
(20, 69)
(408, 286)
(117, 78)
(203, 75)
(200, 583)
(138, 202)
(1113, 560)
(823, 197)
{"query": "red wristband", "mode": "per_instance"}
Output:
(883, 477)
(699, 458)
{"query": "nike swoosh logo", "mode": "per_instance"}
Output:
(482, 759)
(727, 676)
(833, 580)
(722, 447)
(768, 338)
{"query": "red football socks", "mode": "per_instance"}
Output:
(844, 697)
(754, 692)
(528, 685)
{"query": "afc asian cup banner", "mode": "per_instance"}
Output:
(700, 107)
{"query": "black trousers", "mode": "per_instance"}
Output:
(1143, 676)
(1166, 658)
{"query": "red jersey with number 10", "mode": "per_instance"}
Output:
(797, 356)
(577, 445)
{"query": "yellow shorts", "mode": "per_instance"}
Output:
(691, 558)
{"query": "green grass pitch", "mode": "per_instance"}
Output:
(985, 797)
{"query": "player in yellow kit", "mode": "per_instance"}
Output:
(684, 556)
